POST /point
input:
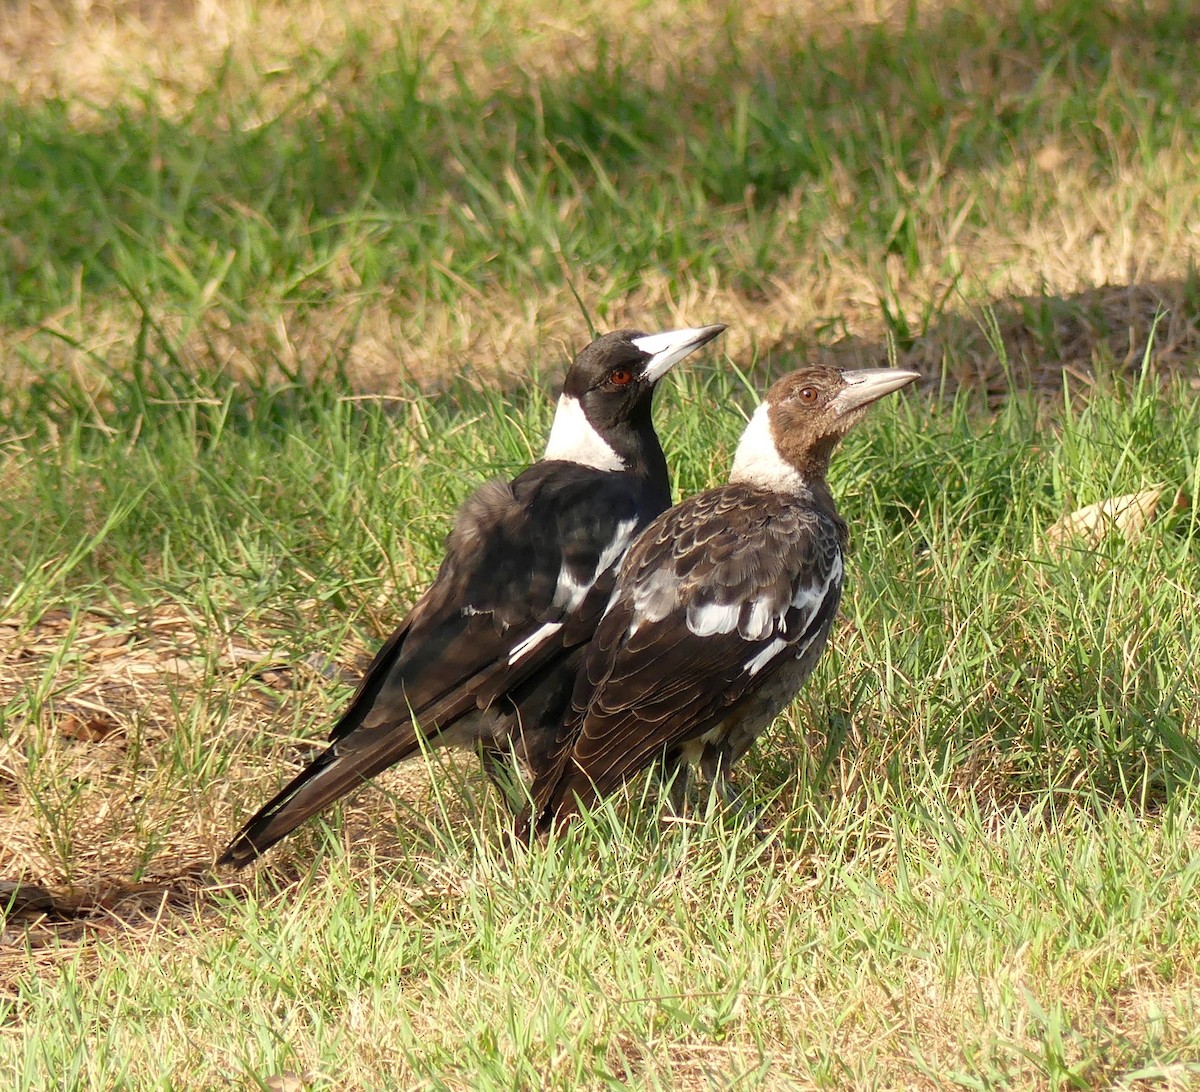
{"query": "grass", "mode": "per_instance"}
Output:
(984, 805)
(319, 187)
(280, 285)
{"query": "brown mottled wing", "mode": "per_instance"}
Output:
(714, 596)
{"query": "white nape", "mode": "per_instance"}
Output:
(574, 440)
(758, 462)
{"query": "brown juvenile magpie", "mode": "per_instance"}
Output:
(721, 608)
(485, 658)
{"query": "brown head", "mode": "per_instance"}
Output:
(791, 436)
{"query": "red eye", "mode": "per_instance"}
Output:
(808, 395)
(622, 377)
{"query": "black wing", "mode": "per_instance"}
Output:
(712, 600)
(528, 568)
(523, 557)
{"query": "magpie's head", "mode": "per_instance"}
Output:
(604, 412)
(813, 408)
(617, 373)
(793, 433)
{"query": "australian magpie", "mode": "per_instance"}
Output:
(487, 656)
(721, 608)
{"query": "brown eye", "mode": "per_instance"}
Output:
(622, 377)
(808, 395)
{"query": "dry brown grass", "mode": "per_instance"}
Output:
(386, 347)
(109, 686)
(94, 780)
(105, 52)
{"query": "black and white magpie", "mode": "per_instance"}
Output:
(488, 655)
(721, 609)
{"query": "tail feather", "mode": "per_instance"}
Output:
(330, 776)
(536, 822)
(358, 752)
(340, 768)
(555, 798)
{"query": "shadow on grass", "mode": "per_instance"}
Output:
(1039, 342)
(1030, 341)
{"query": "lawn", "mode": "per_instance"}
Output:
(280, 284)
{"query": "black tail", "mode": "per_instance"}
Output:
(330, 776)
(350, 760)
(358, 752)
(335, 771)
(533, 821)
(555, 798)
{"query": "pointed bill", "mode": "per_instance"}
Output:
(868, 385)
(670, 347)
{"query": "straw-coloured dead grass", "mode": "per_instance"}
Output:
(104, 52)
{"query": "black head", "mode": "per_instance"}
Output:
(603, 416)
(793, 433)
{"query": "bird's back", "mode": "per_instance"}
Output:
(721, 609)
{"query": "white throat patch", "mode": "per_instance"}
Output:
(757, 461)
(574, 440)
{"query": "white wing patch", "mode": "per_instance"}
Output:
(569, 592)
(806, 599)
(708, 619)
(653, 599)
(574, 440)
(810, 596)
(764, 656)
(763, 619)
(615, 550)
(538, 636)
